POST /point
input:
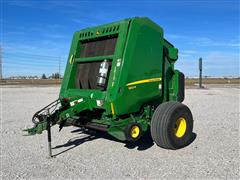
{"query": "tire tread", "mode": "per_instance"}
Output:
(160, 121)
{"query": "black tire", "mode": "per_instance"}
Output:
(163, 130)
(128, 132)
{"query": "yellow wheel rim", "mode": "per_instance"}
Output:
(180, 127)
(135, 130)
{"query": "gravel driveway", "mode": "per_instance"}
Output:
(89, 155)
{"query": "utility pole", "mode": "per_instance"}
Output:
(1, 74)
(200, 72)
(59, 68)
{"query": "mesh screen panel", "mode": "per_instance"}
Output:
(100, 47)
(86, 76)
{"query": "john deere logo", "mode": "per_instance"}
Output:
(98, 32)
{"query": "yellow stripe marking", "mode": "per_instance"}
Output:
(112, 108)
(71, 59)
(144, 81)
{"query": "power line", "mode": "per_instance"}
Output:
(29, 54)
(30, 59)
(22, 63)
(30, 64)
(1, 76)
(59, 67)
(43, 63)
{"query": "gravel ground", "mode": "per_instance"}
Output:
(80, 155)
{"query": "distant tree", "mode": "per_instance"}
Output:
(44, 76)
(55, 76)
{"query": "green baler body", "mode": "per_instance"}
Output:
(141, 76)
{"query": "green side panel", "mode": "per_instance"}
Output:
(142, 61)
(173, 53)
(176, 89)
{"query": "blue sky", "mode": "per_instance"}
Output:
(36, 35)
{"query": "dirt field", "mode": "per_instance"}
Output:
(213, 154)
